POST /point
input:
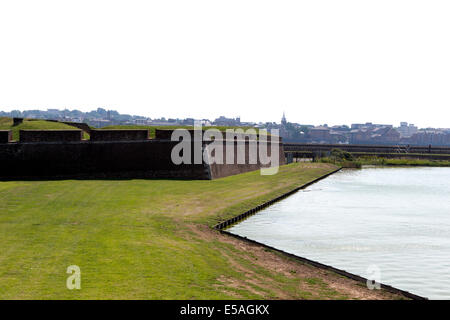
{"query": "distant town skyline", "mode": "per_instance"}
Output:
(276, 119)
(357, 133)
(57, 113)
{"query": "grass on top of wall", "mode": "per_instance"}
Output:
(32, 124)
(402, 162)
(152, 129)
(35, 124)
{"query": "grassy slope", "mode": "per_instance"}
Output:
(130, 238)
(7, 124)
(380, 161)
(153, 128)
(143, 239)
(403, 162)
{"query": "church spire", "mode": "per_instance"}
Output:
(283, 119)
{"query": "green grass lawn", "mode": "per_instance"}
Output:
(30, 124)
(358, 162)
(380, 161)
(34, 124)
(146, 239)
(152, 129)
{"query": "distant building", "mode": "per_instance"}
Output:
(78, 120)
(206, 122)
(430, 137)
(99, 123)
(359, 135)
(142, 122)
(385, 135)
(162, 122)
(374, 134)
(336, 137)
(319, 134)
(406, 130)
(341, 128)
(223, 121)
(360, 125)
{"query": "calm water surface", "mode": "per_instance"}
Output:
(397, 219)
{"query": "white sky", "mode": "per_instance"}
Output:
(319, 61)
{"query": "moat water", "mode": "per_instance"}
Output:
(394, 222)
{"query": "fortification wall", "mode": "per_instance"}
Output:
(119, 135)
(50, 135)
(61, 154)
(218, 170)
(17, 121)
(80, 125)
(130, 159)
(5, 136)
(167, 134)
(163, 134)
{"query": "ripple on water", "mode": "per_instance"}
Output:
(397, 219)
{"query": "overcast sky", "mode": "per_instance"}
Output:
(319, 61)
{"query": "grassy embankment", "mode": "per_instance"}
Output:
(349, 160)
(31, 124)
(378, 161)
(152, 129)
(151, 239)
(34, 124)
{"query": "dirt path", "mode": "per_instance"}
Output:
(309, 282)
